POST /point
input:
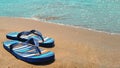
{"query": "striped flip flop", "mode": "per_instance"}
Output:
(28, 52)
(25, 35)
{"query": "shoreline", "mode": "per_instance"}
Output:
(74, 47)
(67, 25)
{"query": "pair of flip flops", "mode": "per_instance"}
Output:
(25, 46)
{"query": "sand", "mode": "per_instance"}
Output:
(74, 47)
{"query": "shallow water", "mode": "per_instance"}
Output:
(102, 15)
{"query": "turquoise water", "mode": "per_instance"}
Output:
(102, 15)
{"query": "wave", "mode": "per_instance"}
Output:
(67, 25)
(74, 26)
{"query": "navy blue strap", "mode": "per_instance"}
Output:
(27, 42)
(13, 45)
(31, 32)
(35, 42)
(37, 33)
(23, 33)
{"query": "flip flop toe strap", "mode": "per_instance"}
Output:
(35, 32)
(38, 34)
(23, 33)
(36, 44)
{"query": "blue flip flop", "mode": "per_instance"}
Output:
(25, 35)
(28, 52)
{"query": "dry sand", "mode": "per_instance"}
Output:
(74, 47)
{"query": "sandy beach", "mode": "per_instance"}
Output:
(74, 47)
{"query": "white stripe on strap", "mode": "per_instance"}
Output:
(27, 36)
(29, 55)
(20, 47)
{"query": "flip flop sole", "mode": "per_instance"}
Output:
(31, 59)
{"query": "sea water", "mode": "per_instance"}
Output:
(101, 15)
